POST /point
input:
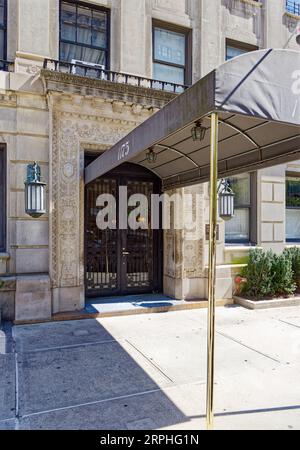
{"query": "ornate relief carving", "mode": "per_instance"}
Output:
(33, 69)
(290, 21)
(193, 258)
(249, 8)
(8, 284)
(184, 249)
(70, 134)
(169, 268)
(97, 89)
(8, 99)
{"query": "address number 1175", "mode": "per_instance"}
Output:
(123, 151)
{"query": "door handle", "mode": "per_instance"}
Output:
(126, 253)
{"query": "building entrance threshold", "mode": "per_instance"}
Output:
(133, 304)
(128, 305)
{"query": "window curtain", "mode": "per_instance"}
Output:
(293, 224)
(79, 53)
(237, 229)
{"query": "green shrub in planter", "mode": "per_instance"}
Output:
(259, 274)
(268, 275)
(283, 276)
(293, 254)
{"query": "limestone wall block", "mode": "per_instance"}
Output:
(33, 298)
(31, 260)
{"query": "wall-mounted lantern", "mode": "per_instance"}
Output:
(198, 131)
(35, 203)
(226, 200)
(151, 156)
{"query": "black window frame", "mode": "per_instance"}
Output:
(252, 207)
(3, 205)
(239, 46)
(80, 44)
(187, 32)
(4, 28)
(291, 175)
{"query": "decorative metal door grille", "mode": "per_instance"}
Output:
(139, 244)
(121, 261)
(101, 245)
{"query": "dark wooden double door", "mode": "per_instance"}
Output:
(122, 261)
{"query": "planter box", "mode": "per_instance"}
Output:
(267, 304)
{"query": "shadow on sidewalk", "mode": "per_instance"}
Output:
(75, 375)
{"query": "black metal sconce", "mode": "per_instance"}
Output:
(198, 131)
(226, 200)
(35, 203)
(151, 156)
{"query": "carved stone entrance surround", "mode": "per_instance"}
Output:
(93, 115)
(72, 134)
(85, 114)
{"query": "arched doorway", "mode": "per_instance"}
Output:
(122, 261)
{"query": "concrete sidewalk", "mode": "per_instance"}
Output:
(149, 372)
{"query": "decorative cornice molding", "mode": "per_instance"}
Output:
(94, 118)
(8, 99)
(85, 86)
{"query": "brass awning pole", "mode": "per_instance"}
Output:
(212, 270)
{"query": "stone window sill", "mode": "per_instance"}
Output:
(252, 3)
(239, 248)
(291, 15)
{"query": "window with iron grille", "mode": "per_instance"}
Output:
(171, 53)
(84, 33)
(3, 31)
(2, 198)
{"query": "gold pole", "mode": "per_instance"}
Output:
(212, 271)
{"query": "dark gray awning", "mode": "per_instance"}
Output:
(257, 96)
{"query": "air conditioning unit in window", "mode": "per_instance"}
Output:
(88, 69)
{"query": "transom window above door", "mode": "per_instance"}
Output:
(84, 33)
(171, 55)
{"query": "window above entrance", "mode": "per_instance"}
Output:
(171, 54)
(84, 34)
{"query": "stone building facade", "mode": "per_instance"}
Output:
(52, 114)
